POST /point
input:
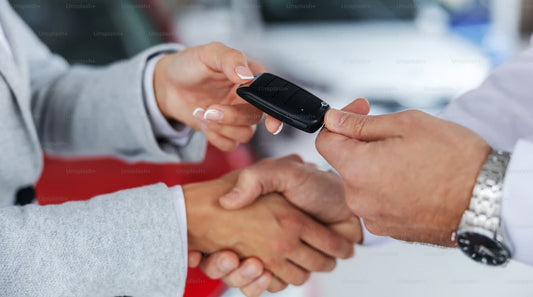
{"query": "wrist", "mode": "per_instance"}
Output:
(203, 209)
(162, 87)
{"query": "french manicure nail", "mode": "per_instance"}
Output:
(198, 113)
(213, 115)
(279, 129)
(244, 73)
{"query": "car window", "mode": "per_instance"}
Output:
(336, 10)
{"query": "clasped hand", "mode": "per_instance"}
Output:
(284, 215)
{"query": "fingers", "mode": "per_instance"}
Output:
(360, 127)
(194, 259)
(234, 115)
(240, 134)
(231, 62)
(349, 229)
(220, 264)
(273, 125)
(222, 143)
(277, 285)
(247, 273)
(290, 273)
(260, 179)
(256, 288)
(359, 106)
(337, 149)
(312, 260)
(326, 241)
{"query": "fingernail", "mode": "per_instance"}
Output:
(198, 113)
(279, 129)
(226, 265)
(231, 197)
(213, 115)
(250, 271)
(262, 281)
(336, 117)
(244, 73)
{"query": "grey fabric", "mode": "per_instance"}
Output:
(126, 243)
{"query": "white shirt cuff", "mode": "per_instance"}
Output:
(517, 202)
(370, 239)
(179, 203)
(177, 134)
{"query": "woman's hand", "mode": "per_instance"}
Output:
(197, 87)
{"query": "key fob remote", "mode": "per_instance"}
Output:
(285, 101)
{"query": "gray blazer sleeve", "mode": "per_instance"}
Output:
(82, 110)
(123, 244)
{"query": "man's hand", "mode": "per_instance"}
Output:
(408, 175)
(318, 193)
(290, 243)
(197, 87)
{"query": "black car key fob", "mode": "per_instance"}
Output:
(285, 101)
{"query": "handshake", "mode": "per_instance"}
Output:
(284, 216)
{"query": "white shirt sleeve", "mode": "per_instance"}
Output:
(176, 133)
(501, 111)
(179, 203)
(518, 202)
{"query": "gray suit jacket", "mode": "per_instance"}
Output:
(126, 243)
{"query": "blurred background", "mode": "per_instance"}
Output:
(399, 54)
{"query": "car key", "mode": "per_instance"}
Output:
(285, 101)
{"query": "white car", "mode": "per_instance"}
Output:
(408, 61)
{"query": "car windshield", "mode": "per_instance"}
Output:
(274, 11)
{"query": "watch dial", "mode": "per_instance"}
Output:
(483, 249)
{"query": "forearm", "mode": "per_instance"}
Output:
(127, 243)
(101, 111)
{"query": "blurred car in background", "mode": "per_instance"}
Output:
(396, 53)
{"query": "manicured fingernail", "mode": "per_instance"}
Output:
(244, 73)
(279, 129)
(250, 271)
(213, 115)
(336, 117)
(226, 265)
(198, 113)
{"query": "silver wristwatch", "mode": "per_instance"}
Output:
(481, 234)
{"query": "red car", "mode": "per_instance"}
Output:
(142, 24)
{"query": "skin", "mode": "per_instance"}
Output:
(408, 175)
(291, 244)
(207, 77)
(304, 186)
(318, 193)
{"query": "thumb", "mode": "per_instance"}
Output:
(359, 106)
(360, 127)
(260, 179)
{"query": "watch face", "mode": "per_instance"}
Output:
(483, 249)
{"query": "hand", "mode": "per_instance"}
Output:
(289, 242)
(249, 275)
(408, 175)
(197, 87)
(318, 193)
